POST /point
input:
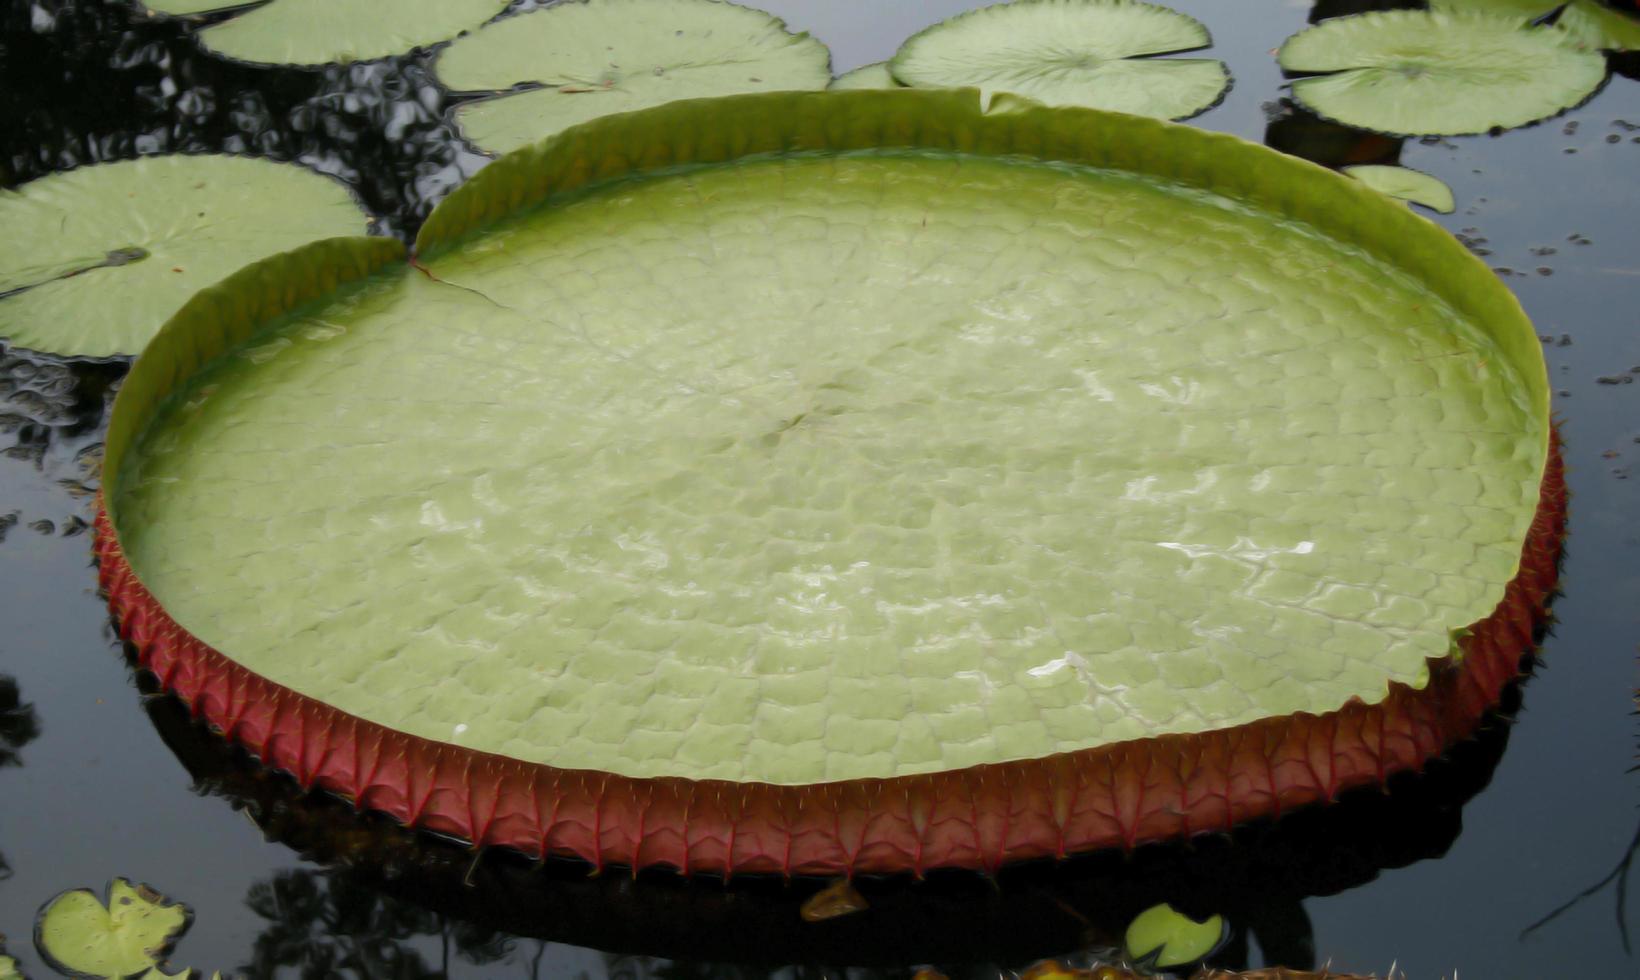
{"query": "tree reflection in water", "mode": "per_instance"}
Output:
(395, 903)
(324, 925)
(18, 726)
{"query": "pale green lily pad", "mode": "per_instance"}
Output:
(599, 57)
(1168, 938)
(1071, 52)
(317, 32)
(1588, 23)
(1406, 184)
(77, 935)
(765, 451)
(1415, 72)
(95, 259)
(876, 75)
(9, 970)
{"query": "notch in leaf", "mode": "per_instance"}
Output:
(1090, 53)
(1424, 73)
(79, 936)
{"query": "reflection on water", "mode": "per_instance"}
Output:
(381, 885)
(139, 86)
(18, 727)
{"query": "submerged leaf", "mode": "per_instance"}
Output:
(316, 32)
(1169, 938)
(875, 75)
(1070, 52)
(600, 57)
(1587, 23)
(95, 259)
(78, 936)
(1413, 72)
(1406, 184)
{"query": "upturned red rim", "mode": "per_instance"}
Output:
(1118, 795)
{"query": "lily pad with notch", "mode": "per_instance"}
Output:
(95, 259)
(317, 32)
(1090, 53)
(1406, 184)
(1587, 23)
(1418, 73)
(580, 60)
(79, 936)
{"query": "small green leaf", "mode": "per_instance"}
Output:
(1587, 23)
(317, 32)
(9, 970)
(78, 936)
(876, 75)
(1406, 184)
(94, 260)
(1415, 73)
(1170, 938)
(1089, 53)
(606, 56)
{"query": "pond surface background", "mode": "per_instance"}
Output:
(1422, 877)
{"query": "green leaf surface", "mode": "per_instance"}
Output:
(1169, 938)
(1414, 72)
(876, 75)
(9, 970)
(316, 32)
(1072, 53)
(817, 436)
(79, 936)
(1406, 184)
(599, 57)
(1588, 23)
(95, 259)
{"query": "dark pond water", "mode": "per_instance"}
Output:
(99, 778)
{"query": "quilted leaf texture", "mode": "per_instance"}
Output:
(701, 302)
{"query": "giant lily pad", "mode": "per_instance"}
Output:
(95, 259)
(1071, 52)
(1587, 23)
(595, 57)
(827, 482)
(1414, 72)
(316, 32)
(81, 937)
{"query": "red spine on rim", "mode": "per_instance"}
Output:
(1117, 795)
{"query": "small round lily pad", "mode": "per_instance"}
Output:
(1587, 23)
(875, 75)
(96, 259)
(316, 32)
(594, 58)
(1406, 184)
(1091, 53)
(1416, 72)
(77, 935)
